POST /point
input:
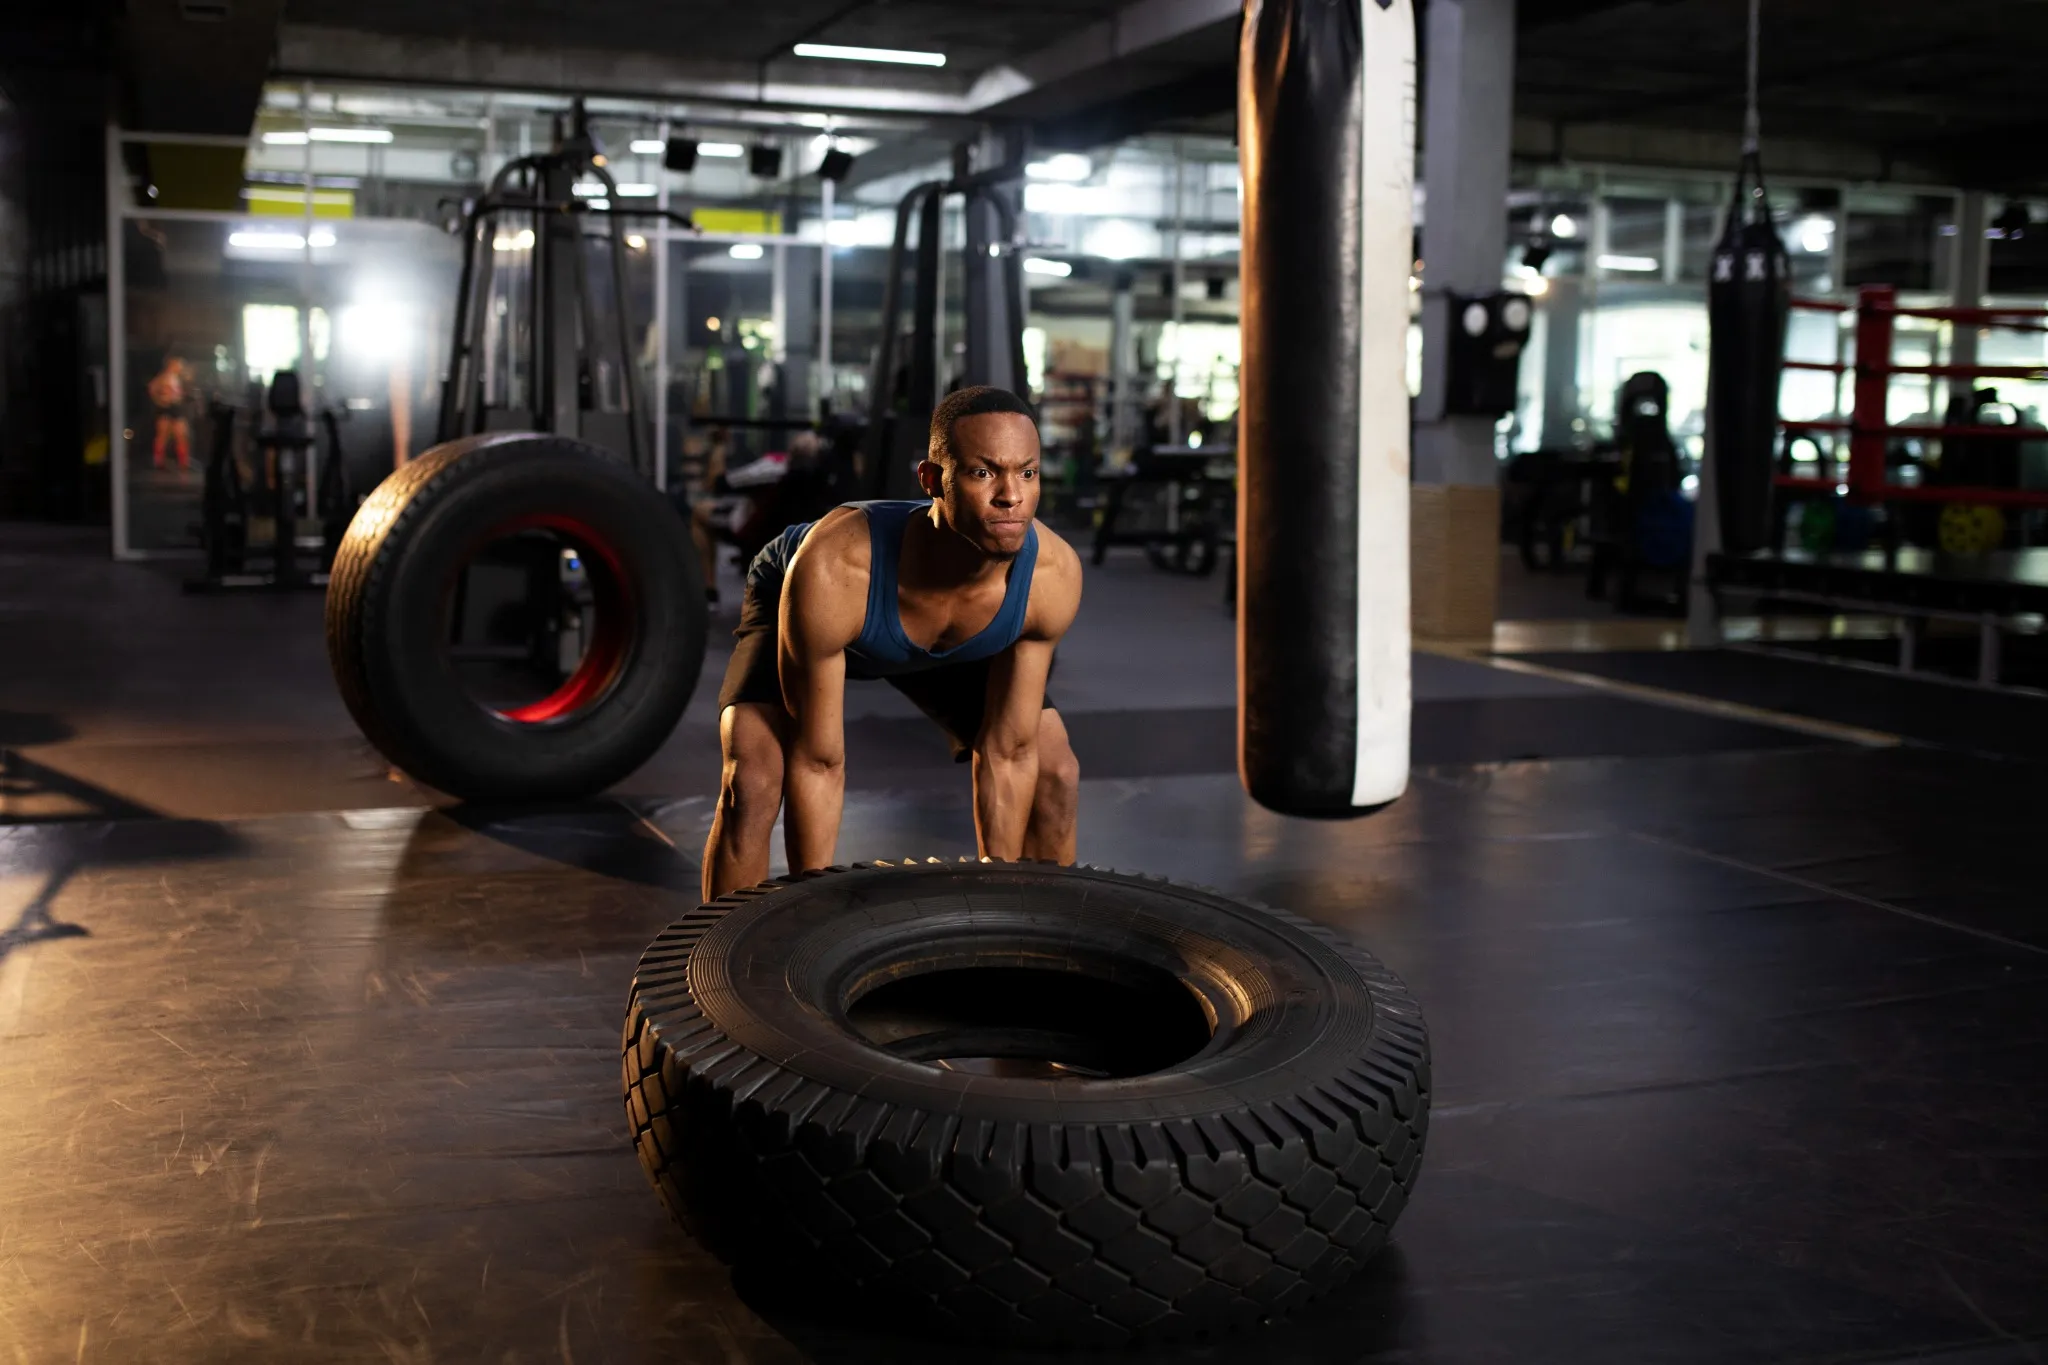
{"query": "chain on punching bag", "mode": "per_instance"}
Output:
(1749, 295)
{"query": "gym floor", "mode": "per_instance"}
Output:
(1738, 1014)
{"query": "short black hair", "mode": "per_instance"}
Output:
(970, 402)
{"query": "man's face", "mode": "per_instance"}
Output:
(991, 493)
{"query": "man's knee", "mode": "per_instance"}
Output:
(751, 782)
(1059, 772)
(750, 791)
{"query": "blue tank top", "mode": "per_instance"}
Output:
(883, 649)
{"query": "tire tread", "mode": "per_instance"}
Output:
(1045, 1233)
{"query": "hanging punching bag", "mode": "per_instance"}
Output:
(1749, 295)
(1326, 132)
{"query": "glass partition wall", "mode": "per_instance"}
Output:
(323, 243)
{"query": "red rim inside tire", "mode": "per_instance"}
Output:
(612, 630)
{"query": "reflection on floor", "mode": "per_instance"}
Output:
(1594, 634)
(212, 708)
(1738, 1019)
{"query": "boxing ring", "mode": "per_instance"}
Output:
(1998, 591)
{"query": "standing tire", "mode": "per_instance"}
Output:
(389, 606)
(1025, 1102)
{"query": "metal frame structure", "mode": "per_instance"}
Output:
(993, 275)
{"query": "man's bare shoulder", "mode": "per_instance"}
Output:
(1055, 585)
(835, 551)
(1056, 556)
(826, 596)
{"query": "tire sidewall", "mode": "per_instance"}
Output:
(763, 973)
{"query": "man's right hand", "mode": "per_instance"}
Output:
(824, 604)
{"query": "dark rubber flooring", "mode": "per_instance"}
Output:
(1926, 710)
(1739, 1037)
(894, 752)
(1738, 1058)
(113, 681)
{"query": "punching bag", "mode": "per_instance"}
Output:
(1326, 135)
(1749, 295)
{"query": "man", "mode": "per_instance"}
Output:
(958, 601)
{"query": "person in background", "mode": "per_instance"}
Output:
(169, 393)
(712, 509)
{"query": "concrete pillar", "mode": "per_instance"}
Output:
(1123, 364)
(1970, 274)
(1468, 104)
(827, 191)
(1674, 239)
(1562, 310)
(800, 375)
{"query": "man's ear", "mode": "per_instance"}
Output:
(931, 478)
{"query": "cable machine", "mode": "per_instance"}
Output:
(558, 357)
(992, 279)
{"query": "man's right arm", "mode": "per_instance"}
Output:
(822, 610)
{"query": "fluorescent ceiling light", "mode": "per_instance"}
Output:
(589, 189)
(815, 120)
(648, 146)
(897, 56)
(285, 138)
(637, 191)
(1039, 265)
(262, 240)
(720, 149)
(1639, 264)
(745, 251)
(1063, 166)
(349, 134)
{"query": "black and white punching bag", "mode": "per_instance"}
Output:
(1326, 132)
(1749, 296)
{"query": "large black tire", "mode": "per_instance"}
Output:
(796, 1132)
(387, 618)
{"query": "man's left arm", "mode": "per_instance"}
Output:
(1006, 753)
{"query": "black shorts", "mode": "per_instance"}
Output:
(955, 696)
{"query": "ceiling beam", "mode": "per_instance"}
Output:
(894, 158)
(1540, 141)
(1101, 59)
(1204, 94)
(322, 52)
